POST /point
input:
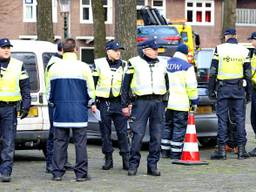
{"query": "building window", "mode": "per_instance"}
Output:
(30, 10)
(141, 3)
(200, 12)
(86, 11)
(160, 5)
(246, 17)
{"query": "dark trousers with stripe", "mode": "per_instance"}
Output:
(61, 140)
(177, 125)
(144, 111)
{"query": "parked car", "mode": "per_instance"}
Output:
(32, 132)
(206, 119)
(167, 36)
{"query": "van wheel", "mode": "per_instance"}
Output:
(208, 142)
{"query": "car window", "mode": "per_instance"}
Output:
(157, 30)
(204, 58)
(46, 57)
(30, 63)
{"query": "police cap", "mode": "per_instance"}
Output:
(230, 31)
(5, 43)
(253, 36)
(183, 48)
(113, 44)
(151, 43)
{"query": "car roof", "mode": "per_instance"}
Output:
(156, 26)
(33, 46)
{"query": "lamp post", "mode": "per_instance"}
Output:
(65, 10)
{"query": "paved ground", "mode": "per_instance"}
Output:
(230, 175)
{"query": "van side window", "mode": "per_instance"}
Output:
(47, 57)
(30, 64)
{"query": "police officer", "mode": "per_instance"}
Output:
(231, 72)
(108, 76)
(252, 38)
(49, 147)
(71, 86)
(14, 87)
(146, 78)
(183, 94)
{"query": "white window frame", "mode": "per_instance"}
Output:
(245, 15)
(160, 9)
(34, 11)
(33, 4)
(203, 9)
(141, 6)
(109, 6)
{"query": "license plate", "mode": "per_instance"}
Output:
(33, 112)
(204, 109)
(161, 50)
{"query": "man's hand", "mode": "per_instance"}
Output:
(126, 111)
(212, 96)
(23, 113)
(193, 108)
(93, 108)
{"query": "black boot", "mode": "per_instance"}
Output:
(242, 153)
(108, 162)
(219, 154)
(153, 172)
(252, 153)
(125, 159)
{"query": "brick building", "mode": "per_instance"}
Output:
(18, 19)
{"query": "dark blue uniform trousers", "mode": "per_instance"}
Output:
(231, 97)
(8, 125)
(145, 110)
(253, 111)
(61, 140)
(110, 110)
(166, 133)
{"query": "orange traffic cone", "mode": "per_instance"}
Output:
(190, 153)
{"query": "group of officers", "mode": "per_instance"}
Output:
(136, 91)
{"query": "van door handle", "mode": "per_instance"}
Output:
(41, 98)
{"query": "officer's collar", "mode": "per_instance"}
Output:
(232, 40)
(113, 62)
(149, 60)
(5, 60)
(180, 56)
(69, 55)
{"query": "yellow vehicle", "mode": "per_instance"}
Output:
(190, 38)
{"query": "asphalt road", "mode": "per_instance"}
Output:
(219, 176)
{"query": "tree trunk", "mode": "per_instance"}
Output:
(44, 20)
(99, 28)
(229, 17)
(125, 26)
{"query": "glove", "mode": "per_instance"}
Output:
(193, 108)
(23, 113)
(212, 96)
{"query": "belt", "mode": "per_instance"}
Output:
(150, 97)
(7, 103)
(118, 98)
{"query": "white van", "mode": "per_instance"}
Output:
(32, 132)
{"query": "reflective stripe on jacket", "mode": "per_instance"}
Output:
(110, 79)
(148, 78)
(182, 83)
(231, 59)
(253, 64)
(9, 82)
